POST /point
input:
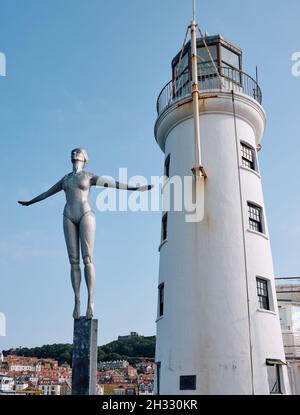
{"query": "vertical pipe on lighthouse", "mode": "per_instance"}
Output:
(195, 87)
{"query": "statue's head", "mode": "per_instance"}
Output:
(79, 154)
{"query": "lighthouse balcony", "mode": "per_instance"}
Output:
(227, 80)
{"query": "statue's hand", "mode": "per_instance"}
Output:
(145, 188)
(24, 203)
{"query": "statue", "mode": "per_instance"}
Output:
(79, 222)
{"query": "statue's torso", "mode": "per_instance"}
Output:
(77, 188)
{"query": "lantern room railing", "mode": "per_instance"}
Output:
(232, 79)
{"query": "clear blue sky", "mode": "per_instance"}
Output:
(87, 73)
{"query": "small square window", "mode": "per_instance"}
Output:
(255, 218)
(263, 294)
(187, 383)
(248, 157)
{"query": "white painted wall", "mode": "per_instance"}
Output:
(205, 329)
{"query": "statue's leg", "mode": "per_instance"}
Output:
(71, 232)
(87, 229)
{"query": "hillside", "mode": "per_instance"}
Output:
(133, 349)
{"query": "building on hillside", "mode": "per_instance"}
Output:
(118, 389)
(145, 389)
(115, 364)
(146, 367)
(49, 387)
(66, 388)
(146, 383)
(133, 334)
(117, 377)
(7, 384)
(131, 373)
(20, 368)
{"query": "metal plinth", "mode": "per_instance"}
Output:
(84, 361)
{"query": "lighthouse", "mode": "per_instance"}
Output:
(218, 331)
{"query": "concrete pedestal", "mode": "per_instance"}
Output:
(84, 362)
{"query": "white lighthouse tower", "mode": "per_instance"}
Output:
(218, 330)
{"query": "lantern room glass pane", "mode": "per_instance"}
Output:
(230, 58)
(205, 69)
(203, 55)
(182, 65)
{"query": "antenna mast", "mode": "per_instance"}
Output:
(194, 10)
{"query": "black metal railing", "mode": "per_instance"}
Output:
(230, 79)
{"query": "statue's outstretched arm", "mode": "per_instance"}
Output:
(52, 191)
(105, 182)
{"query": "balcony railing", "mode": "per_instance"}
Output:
(232, 79)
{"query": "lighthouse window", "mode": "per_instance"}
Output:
(263, 294)
(255, 218)
(248, 156)
(231, 64)
(205, 65)
(158, 370)
(181, 74)
(182, 65)
(187, 383)
(230, 58)
(161, 299)
(167, 166)
(164, 232)
(274, 368)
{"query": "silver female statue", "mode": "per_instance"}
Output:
(80, 223)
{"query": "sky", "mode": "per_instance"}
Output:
(87, 74)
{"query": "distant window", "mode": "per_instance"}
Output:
(274, 377)
(263, 294)
(164, 233)
(167, 166)
(158, 370)
(255, 218)
(161, 299)
(187, 383)
(248, 156)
